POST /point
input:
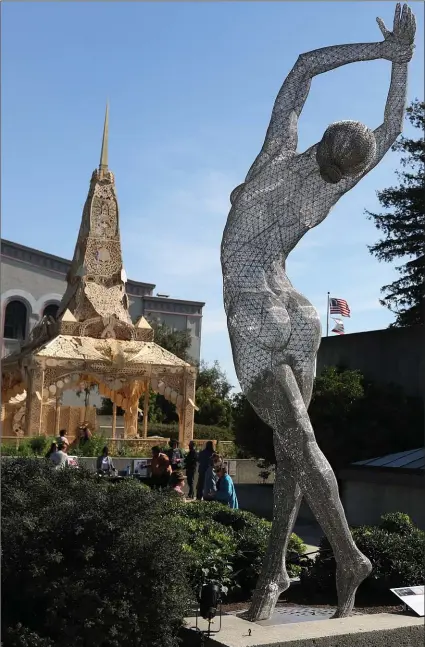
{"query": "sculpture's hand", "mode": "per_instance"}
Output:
(398, 45)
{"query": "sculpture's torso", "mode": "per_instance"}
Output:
(269, 215)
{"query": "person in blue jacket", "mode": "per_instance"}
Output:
(226, 492)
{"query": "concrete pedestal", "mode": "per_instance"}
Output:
(375, 630)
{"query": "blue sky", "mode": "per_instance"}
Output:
(191, 87)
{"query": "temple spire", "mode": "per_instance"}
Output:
(103, 166)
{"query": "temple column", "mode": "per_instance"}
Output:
(186, 416)
(146, 411)
(114, 420)
(58, 414)
(34, 403)
(131, 412)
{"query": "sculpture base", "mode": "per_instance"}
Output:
(374, 630)
(286, 615)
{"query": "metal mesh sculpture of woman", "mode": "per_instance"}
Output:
(274, 331)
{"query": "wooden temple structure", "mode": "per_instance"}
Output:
(93, 339)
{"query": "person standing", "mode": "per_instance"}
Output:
(226, 492)
(204, 458)
(191, 462)
(174, 455)
(160, 468)
(104, 464)
(85, 436)
(211, 478)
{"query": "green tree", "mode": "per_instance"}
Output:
(353, 419)
(175, 341)
(403, 227)
(213, 396)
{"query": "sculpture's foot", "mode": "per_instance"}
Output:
(348, 578)
(265, 598)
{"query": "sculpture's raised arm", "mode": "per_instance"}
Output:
(397, 47)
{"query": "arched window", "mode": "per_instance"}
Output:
(15, 320)
(51, 310)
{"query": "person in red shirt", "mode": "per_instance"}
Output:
(160, 468)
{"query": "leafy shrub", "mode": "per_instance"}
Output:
(201, 432)
(250, 536)
(23, 449)
(227, 449)
(84, 561)
(92, 447)
(39, 445)
(397, 522)
(395, 548)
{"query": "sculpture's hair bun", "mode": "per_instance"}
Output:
(347, 148)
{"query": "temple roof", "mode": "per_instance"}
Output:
(66, 347)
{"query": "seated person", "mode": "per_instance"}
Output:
(53, 448)
(60, 457)
(160, 468)
(211, 478)
(62, 438)
(104, 464)
(177, 482)
(226, 492)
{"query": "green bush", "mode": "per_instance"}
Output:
(395, 548)
(92, 447)
(250, 535)
(88, 563)
(397, 522)
(201, 432)
(40, 445)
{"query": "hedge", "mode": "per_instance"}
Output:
(87, 562)
(396, 549)
(200, 432)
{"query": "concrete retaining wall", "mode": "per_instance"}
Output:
(364, 505)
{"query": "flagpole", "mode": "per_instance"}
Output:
(327, 318)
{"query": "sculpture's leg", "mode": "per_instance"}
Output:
(274, 579)
(318, 484)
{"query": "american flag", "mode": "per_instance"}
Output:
(339, 307)
(339, 327)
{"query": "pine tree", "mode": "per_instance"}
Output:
(403, 227)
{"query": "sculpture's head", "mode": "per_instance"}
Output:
(347, 149)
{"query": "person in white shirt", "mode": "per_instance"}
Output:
(104, 463)
(59, 458)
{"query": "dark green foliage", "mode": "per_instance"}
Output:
(40, 445)
(352, 419)
(397, 522)
(249, 536)
(403, 227)
(252, 435)
(84, 562)
(92, 447)
(175, 341)
(395, 548)
(201, 432)
(87, 562)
